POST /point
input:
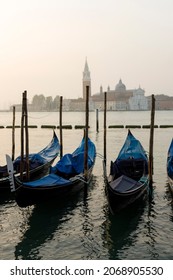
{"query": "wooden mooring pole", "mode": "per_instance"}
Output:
(24, 124)
(151, 143)
(27, 137)
(60, 127)
(86, 134)
(97, 120)
(13, 135)
(104, 137)
(22, 142)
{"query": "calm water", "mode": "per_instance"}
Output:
(83, 227)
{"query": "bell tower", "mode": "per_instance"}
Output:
(86, 80)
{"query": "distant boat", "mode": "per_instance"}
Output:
(65, 178)
(39, 164)
(170, 166)
(128, 179)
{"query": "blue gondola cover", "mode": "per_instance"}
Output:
(170, 161)
(132, 148)
(68, 166)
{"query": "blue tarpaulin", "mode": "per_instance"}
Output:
(69, 164)
(42, 157)
(74, 163)
(132, 148)
(170, 160)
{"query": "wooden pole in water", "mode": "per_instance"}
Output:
(60, 127)
(104, 140)
(86, 134)
(26, 135)
(22, 142)
(24, 124)
(13, 134)
(151, 144)
(97, 120)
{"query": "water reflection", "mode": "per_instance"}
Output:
(89, 235)
(127, 231)
(119, 231)
(40, 225)
(169, 198)
(5, 198)
(151, 231)
(168, 193)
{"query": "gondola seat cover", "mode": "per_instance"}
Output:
(34, 161)
(50, 180)
(124, 184)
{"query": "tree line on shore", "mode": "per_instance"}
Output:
(42, 103)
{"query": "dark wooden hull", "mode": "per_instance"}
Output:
(34, 174)
(5, 185)
(170, 167)
(170, 182)
(26, 196)
(119, 201)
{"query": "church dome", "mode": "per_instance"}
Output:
(120, 86)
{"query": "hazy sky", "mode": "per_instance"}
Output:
(44, 44)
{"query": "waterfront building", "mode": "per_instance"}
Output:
(120, 98)
(162, 102)
(138, 101)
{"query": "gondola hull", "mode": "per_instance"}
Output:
(39, 165)
(34, 174)
(170, 166)
(128, 181)
(170, 182)
(26, 196)
(123, 200)
(67, 177)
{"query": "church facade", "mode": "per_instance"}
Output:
(120, 98)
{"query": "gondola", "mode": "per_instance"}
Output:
(170, 166)
(66, 177)
(39, 164)
(128, 179)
